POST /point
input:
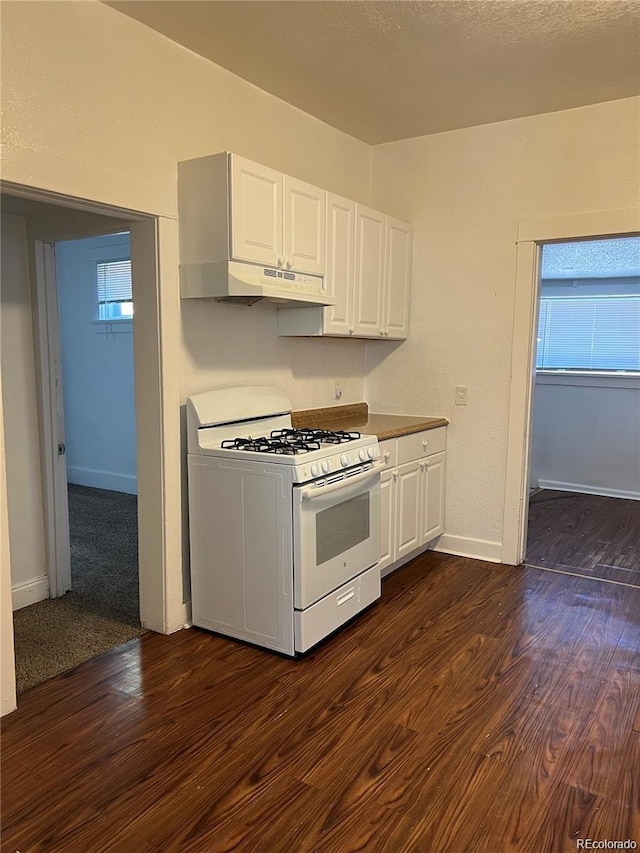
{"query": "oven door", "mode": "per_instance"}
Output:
(336, 532)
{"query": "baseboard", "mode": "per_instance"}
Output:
(588, 490)
(23, 594)
(458, 546)
(103, 480)
(463, 546)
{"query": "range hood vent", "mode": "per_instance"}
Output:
(245, 284)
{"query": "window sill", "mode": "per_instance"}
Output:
(114, 327)
(589, 379)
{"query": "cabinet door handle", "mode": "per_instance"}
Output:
(395, 475)
(281, 261)
(387, 455)
(351, 330)
(381, 333)
(425, 444)
(289, 263)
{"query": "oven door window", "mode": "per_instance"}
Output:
(341, 527)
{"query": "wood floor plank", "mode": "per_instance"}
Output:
(259, 827)
(604, 752)
(534, 779)
(50, 824)
(585, 534)
(475, 707)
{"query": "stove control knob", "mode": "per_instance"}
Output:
(344, 460)
(326, 466)
(315, 469)
(371, 452)
(362, 454)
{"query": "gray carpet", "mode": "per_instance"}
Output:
(102, 609)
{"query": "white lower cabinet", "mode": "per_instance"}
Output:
(387, 518)
(432, 498)
(411, 495)
(408, 523)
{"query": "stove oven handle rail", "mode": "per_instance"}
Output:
(318, 491)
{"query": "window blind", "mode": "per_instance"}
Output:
(589, 333)
(114, 289)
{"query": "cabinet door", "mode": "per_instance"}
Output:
(339, 265)
(408, 523)
(432, 514)
(387, 519)
(304, 226)
(256, 212)
(397, 279)
(369, 271)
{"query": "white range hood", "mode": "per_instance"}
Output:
(231, 281)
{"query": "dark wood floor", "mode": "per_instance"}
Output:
(474, 708)
(586, 534)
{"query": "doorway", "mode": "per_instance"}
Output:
(584, 505)
(154, 245)
(96, 311)
(531, 236)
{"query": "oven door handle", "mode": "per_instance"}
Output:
(319, 491)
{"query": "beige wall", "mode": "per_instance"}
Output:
(465, 192)
(29, 579)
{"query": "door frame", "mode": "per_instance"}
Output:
(532, 234)
(56, 506)
(154, 252)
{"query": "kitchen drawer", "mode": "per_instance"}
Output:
(323, 617)
(388, 447)
(421, 444)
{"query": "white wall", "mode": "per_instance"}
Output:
(465, 192)
(586, 435)
(29, 580)
(97, 371)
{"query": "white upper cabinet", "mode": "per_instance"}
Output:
(397, 280)
(256, 213)
(369, 271)
(275, 219)
(340, 255)
(234, 209)
(304, 226)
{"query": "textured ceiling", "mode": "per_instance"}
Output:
(383, 71)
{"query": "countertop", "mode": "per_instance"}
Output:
(357, 418)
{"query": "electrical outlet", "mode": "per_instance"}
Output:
(337, 389)
(462, 395)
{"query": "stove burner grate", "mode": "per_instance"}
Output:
(275, 444)
(323, 436)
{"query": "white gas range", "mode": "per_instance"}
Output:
(284, 524)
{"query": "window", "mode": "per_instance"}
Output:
(115, 301)
(589, 317)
